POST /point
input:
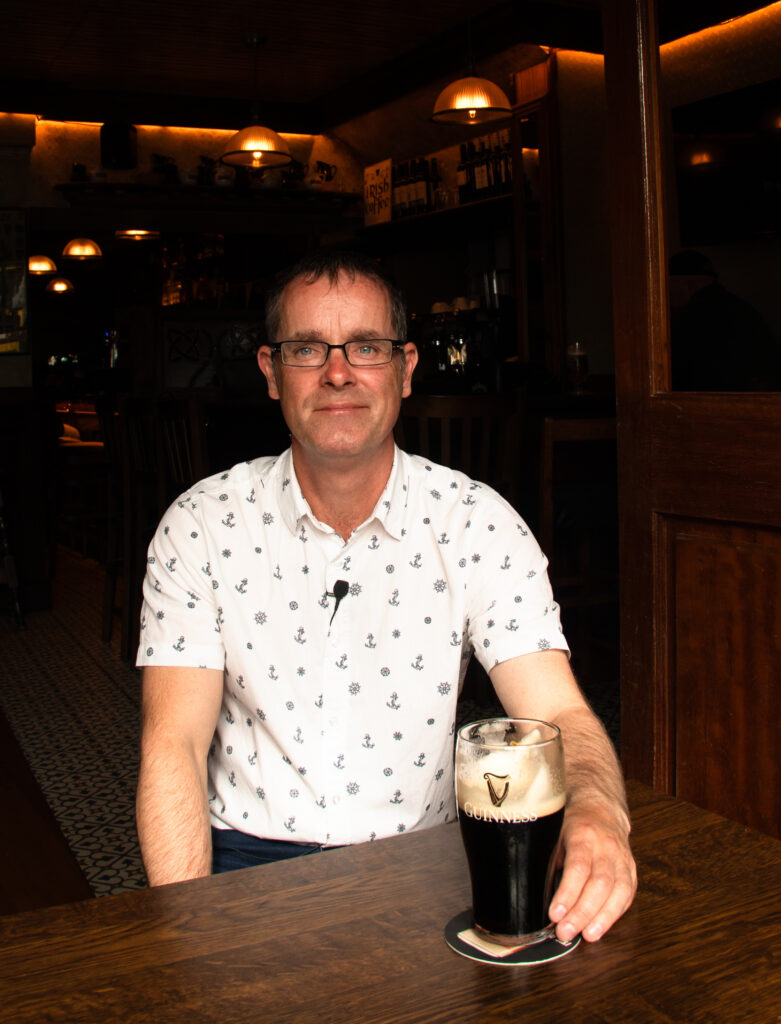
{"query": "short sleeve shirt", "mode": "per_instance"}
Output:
(337, 723)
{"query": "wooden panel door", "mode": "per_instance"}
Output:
(699, 498)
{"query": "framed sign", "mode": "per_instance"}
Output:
(13, 282)
(377, 193)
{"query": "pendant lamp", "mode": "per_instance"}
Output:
(59, 285)
(136, 235)
(41, 265)
(256, 146)
(82, 249)
(470, 100)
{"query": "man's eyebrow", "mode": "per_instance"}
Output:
(359, 334)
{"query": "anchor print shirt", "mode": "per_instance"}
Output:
(337, 724)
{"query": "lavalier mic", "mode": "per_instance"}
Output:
(340, 590)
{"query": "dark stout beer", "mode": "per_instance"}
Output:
(511, 790)
(512, 870)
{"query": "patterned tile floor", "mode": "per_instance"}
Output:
(73, 706)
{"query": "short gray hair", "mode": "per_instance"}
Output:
(330, 264)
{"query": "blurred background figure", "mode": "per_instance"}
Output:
(719, 341)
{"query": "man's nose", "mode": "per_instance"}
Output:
(337, 370)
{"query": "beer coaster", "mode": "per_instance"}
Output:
(462, 939)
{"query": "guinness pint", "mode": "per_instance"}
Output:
(511, 790)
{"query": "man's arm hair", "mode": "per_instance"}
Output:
(179, 711)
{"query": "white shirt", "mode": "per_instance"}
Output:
(338, 728)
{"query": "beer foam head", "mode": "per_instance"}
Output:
(522, 780)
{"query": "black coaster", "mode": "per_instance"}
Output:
(459, 935)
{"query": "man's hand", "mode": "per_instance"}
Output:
(599, 879)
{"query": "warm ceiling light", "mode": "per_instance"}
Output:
(59, 285)
(470, 100)
(136, 234)
(256, 146)
(41, 265)
(82, 249)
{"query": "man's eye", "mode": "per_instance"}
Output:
(302, 351)
(367, 348)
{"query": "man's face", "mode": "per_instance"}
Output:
(338, 409)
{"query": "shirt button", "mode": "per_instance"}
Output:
(336, 800)
(333, 721)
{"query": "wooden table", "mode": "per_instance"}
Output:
(356, 935)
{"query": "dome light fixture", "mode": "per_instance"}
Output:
(41, 265)
(59, 285)
(470, 100)
(256, 146)
(136, 234)
(82, 249)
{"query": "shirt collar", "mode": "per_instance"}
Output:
(389, 510)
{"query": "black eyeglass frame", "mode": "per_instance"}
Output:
(396, 345)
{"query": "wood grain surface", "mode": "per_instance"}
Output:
(356, 934)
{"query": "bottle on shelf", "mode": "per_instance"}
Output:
(462, 176)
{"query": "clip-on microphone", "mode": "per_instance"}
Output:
(340, 590)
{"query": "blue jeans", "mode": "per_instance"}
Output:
(232, 850)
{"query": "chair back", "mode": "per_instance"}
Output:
(476, 434)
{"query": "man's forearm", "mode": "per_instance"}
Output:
(172, 815)
(594, 777)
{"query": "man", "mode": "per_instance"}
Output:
(308, 620)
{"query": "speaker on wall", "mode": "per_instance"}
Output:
(118, 146)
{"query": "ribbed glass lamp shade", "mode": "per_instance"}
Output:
(59, 285)
(136, 234)
(470, 101)
(82, 249)
(256, 146)
(41, 265)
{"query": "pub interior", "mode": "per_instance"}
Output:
(127, 371)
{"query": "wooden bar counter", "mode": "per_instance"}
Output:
(356, 934)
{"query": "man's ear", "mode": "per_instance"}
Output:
(410, 362)
(267, 368)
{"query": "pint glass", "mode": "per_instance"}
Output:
(511, 790)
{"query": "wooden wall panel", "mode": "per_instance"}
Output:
(728, 670)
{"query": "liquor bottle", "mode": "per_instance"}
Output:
(500, 176)
(433, 183)
(395, 197)
(462, 177)
(480, 172)
(471, 159)
(404, 189)
(507, 157)
(421, 189)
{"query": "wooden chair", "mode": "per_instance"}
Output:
(479, 435)
(476, 434)
(163, 453)
(577, 526)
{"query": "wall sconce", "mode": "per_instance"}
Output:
(41, 265)
(59, 285)
(82, 249)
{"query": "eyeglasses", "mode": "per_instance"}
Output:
(309, 354)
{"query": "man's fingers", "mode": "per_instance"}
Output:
(597, 886)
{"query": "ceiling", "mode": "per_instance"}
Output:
(188, 62)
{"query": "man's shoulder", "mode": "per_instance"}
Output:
(252, 473)
(432, 481)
